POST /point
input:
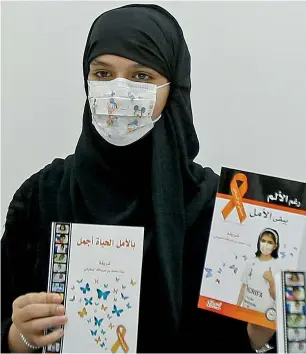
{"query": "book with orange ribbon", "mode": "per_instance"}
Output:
(97, 271)
(258, 229)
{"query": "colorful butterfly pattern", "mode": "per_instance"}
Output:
(117, 299)
(88, 301)
(98, 322)
(85, 289)
(82, 313)
(103, 294)
(117, 311)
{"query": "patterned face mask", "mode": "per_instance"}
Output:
(122, 109)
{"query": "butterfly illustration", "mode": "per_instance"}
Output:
(285, 245)
(80, 301)
(102, 345)
(115, 291)
(105, 286)
(98, 340)
(208, 272)
(72, 299)
(124, 297)
(123, 287)
(95, 310)
(133, 283)
(128, 305)
(96, 303)
(103, 332)
(283, 254)
(93, 333)
(80, 281)
(89, 320)
(295, 248)
(219, 271)
(117, 279)
(103, 308)
(73, 287)
(98, 322)
(109, 317)
(223, 264)
(82, 313)
(111, 326)
(218, 281)
(88, 301)
(85, 289)
(236, 257)
(235, 269)
(251, 272)
(245, 258)
(103, 294)
(115, 299)
(291, 254)
(96, 281)
(117, 311)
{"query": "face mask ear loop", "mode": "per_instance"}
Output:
(161, 86)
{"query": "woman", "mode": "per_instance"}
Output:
(117, 176)
(258, 285)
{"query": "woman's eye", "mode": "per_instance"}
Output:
(102, 74)
(142, 76)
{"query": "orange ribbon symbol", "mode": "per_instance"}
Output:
(121, 330)
(237, 194)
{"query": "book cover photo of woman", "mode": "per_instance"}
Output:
(257, 291)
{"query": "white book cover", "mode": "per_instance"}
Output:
(258, 229)
(97, 271)
(291, 312)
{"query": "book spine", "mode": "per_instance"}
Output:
(59, 271)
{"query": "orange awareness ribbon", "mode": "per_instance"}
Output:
(237, 194)
(121, 330)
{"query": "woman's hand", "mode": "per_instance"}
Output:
(32, 314)
(268, 275)
(259, 335)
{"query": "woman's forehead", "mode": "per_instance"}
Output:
(267, 236)
(115, 61)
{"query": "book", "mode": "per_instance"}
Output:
(291, 311)
(258, 229)
(97, 271)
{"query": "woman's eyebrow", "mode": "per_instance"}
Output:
(100, 62)
(140, 66)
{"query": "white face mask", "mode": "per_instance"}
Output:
(265, 248)
(122, 109)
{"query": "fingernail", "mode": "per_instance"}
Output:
(62, 318)
(60, 309)
(56, 298)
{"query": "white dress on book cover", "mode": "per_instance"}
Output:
(257, 295)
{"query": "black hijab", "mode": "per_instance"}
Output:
(153, 182)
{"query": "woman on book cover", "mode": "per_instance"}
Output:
(258, 287)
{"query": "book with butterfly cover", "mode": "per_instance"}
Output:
(291, 309)
(258, 229)
(97, 271)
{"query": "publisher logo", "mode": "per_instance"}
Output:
(271, 314)
(214, 305)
